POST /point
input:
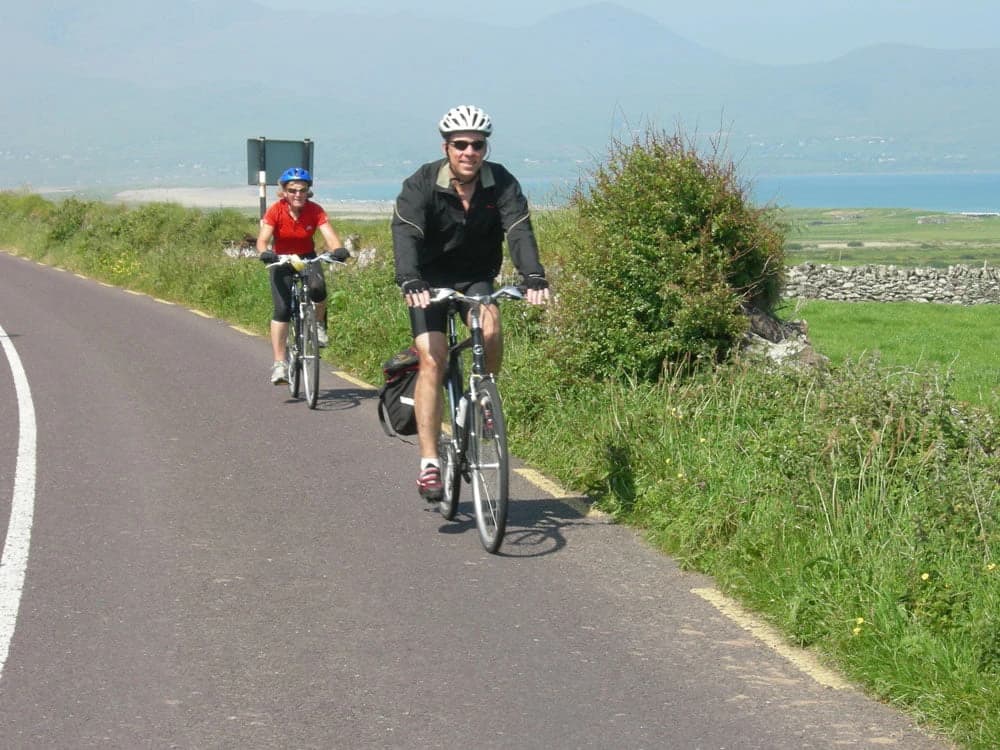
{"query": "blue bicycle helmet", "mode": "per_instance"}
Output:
(295, 173)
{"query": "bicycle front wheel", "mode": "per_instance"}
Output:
(489, 465)
(310, 355)
(293, 347)
(450, 475)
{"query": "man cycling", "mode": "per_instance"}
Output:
(448, 228)
(290, 224)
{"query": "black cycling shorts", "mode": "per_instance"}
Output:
(435, 317)
(281, 288)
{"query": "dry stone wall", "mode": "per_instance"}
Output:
(960, 285)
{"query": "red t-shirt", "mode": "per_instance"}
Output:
(294, 236)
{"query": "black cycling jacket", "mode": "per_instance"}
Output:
(435, 240)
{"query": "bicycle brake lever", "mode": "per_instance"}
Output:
(514, 292)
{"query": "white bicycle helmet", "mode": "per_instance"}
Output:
(465, 117)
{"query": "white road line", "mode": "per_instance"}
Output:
(22, 507)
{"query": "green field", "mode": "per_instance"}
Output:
(891, 236)
(960, 343)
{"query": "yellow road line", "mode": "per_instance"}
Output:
(803, 660)
(353, 380)
(162, 301)
(237, 328)
(544, 483)
(553, 488)
(200, 314)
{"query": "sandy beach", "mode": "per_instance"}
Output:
(244, 198)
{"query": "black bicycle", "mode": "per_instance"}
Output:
(476, 448)
(302, 343)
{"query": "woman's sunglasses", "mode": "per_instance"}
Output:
(459, 145)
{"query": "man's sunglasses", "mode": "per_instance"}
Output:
(459, 145)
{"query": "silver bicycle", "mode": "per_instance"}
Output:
(476, 448)
(302, 343)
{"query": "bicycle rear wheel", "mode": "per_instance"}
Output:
(489, 465)
(451, 477)
(294, 353)
(310, 355)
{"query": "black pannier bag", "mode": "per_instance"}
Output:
(395, 397)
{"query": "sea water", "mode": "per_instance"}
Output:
(977, 192)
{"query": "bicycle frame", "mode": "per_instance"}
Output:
(295, 341)
(299, 301)
(455, 385)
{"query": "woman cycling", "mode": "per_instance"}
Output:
(288, 228)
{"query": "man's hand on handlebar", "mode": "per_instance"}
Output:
(417, 292)
(268, 256)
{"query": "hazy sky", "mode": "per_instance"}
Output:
(767, 31)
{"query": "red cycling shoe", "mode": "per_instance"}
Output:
(429, 484)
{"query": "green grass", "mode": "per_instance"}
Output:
(890, 236)
(855, 508)
(959, 343)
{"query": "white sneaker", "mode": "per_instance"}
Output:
(279, 373)
(321, 335)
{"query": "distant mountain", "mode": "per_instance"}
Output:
(130, 92)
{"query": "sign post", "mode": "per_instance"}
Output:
(267, 159)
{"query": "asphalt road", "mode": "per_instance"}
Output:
(208, 564)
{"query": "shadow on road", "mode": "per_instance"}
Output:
(534, 527)
(341, 399)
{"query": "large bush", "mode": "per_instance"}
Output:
(668, 255)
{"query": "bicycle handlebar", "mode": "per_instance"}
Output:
(443, 294)
(298, 263)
